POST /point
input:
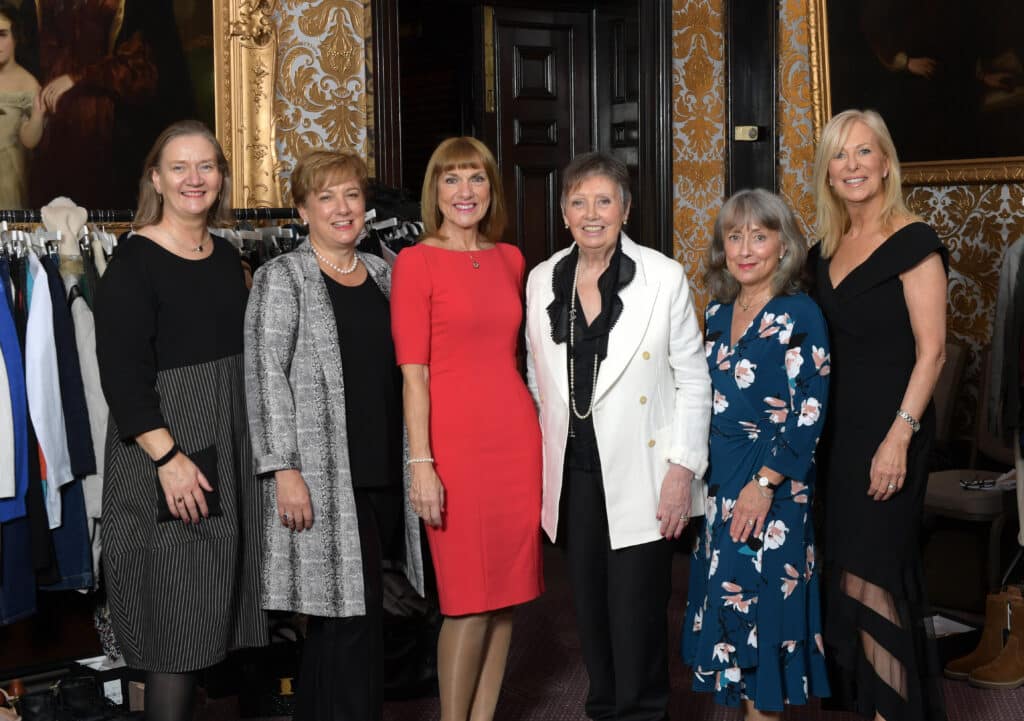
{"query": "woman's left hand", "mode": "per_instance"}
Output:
(55, 89)
(674, 505)
(888, 467)
(749, 513)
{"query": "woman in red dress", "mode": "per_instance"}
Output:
(474, 439)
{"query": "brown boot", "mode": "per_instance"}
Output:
(991, 642)
(1007, 670)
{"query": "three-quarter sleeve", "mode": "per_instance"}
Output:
(410, 308)
(807, 365)
(126, 327)
(271, 330)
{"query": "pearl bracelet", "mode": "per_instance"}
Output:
(419, 460)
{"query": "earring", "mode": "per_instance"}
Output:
(567, 226)
(782, 256)
(885, 175)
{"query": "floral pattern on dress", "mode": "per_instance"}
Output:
(753, 623)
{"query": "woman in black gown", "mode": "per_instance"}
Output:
(881, 282)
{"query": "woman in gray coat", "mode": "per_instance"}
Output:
(325, 417)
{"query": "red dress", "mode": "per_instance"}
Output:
(463, 322)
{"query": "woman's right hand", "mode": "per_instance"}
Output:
(183, 485)
(293, 505)
(427, 494)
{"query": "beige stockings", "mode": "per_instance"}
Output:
(471, 655)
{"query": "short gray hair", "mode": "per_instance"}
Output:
(588, 165)
(769, 211)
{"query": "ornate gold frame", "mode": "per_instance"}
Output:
(245, 57)
(938, 172)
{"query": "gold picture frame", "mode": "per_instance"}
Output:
(938, 172)
(245, 57)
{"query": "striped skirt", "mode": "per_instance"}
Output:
(182, 596)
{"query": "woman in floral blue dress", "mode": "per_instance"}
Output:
(752, 632)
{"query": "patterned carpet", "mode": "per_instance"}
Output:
(545, 680)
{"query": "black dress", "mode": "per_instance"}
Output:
(876, 603)
(169, 347)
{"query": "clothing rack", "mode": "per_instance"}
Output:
(126, 216)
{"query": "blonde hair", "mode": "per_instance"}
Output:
(319, 169)
(832, 218)
(150, 209)
(462, 153)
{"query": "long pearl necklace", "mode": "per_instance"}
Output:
(572, 361)
(332, 266)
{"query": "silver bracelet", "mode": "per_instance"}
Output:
(419, 460)
(914, 424)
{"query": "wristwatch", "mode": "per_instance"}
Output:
(764, 482)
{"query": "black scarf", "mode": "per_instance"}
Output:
(617, 275)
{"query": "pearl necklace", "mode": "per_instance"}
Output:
(572, 361)
(332, 266)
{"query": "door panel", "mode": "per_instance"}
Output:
(540, 117)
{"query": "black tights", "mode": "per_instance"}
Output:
(169, 696)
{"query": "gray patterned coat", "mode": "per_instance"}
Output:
(295, 394)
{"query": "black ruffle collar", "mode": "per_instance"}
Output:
(619, 273)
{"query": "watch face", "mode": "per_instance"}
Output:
(763, 481)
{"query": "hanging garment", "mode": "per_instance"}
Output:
(85, 335)
(8, 485)
(72, 393)
(14, 507)
(42, 381)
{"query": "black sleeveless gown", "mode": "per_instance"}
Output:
(872, 553)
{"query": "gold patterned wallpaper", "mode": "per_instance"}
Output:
(323, 96)
(976, 222)
(698, 130)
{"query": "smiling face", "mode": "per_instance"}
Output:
(752, 255)
(463, 196)
(595, 213)
(858, 170)
(6, 41)
(335, 214)
(187, 176)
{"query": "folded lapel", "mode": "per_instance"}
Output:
(554, 353)
(624, 340)
(322, 324)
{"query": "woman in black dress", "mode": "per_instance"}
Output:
(881, 282)
(180, 508)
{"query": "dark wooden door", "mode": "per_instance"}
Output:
(536, 115)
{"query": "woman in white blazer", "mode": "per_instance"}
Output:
(616, 365)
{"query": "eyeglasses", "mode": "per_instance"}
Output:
(977, 484)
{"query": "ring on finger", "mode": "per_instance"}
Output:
(891, 486)
(750, 521)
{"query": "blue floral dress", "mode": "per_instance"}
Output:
(753, 617)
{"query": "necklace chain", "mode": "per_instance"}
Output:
(194, 248)
(746, 306)
(572, 361)
(332, 266)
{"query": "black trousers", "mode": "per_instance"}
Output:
(340, 677)
(621, 601)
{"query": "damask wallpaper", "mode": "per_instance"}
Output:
(698, 130)
(323, 97)
(976, 222)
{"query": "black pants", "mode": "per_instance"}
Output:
(621, 601)
(340, 678)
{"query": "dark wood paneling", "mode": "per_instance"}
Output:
(656, 180)
(541, 117)
(387, 111)
(751, 81)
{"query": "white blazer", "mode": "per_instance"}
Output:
(652, 404)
